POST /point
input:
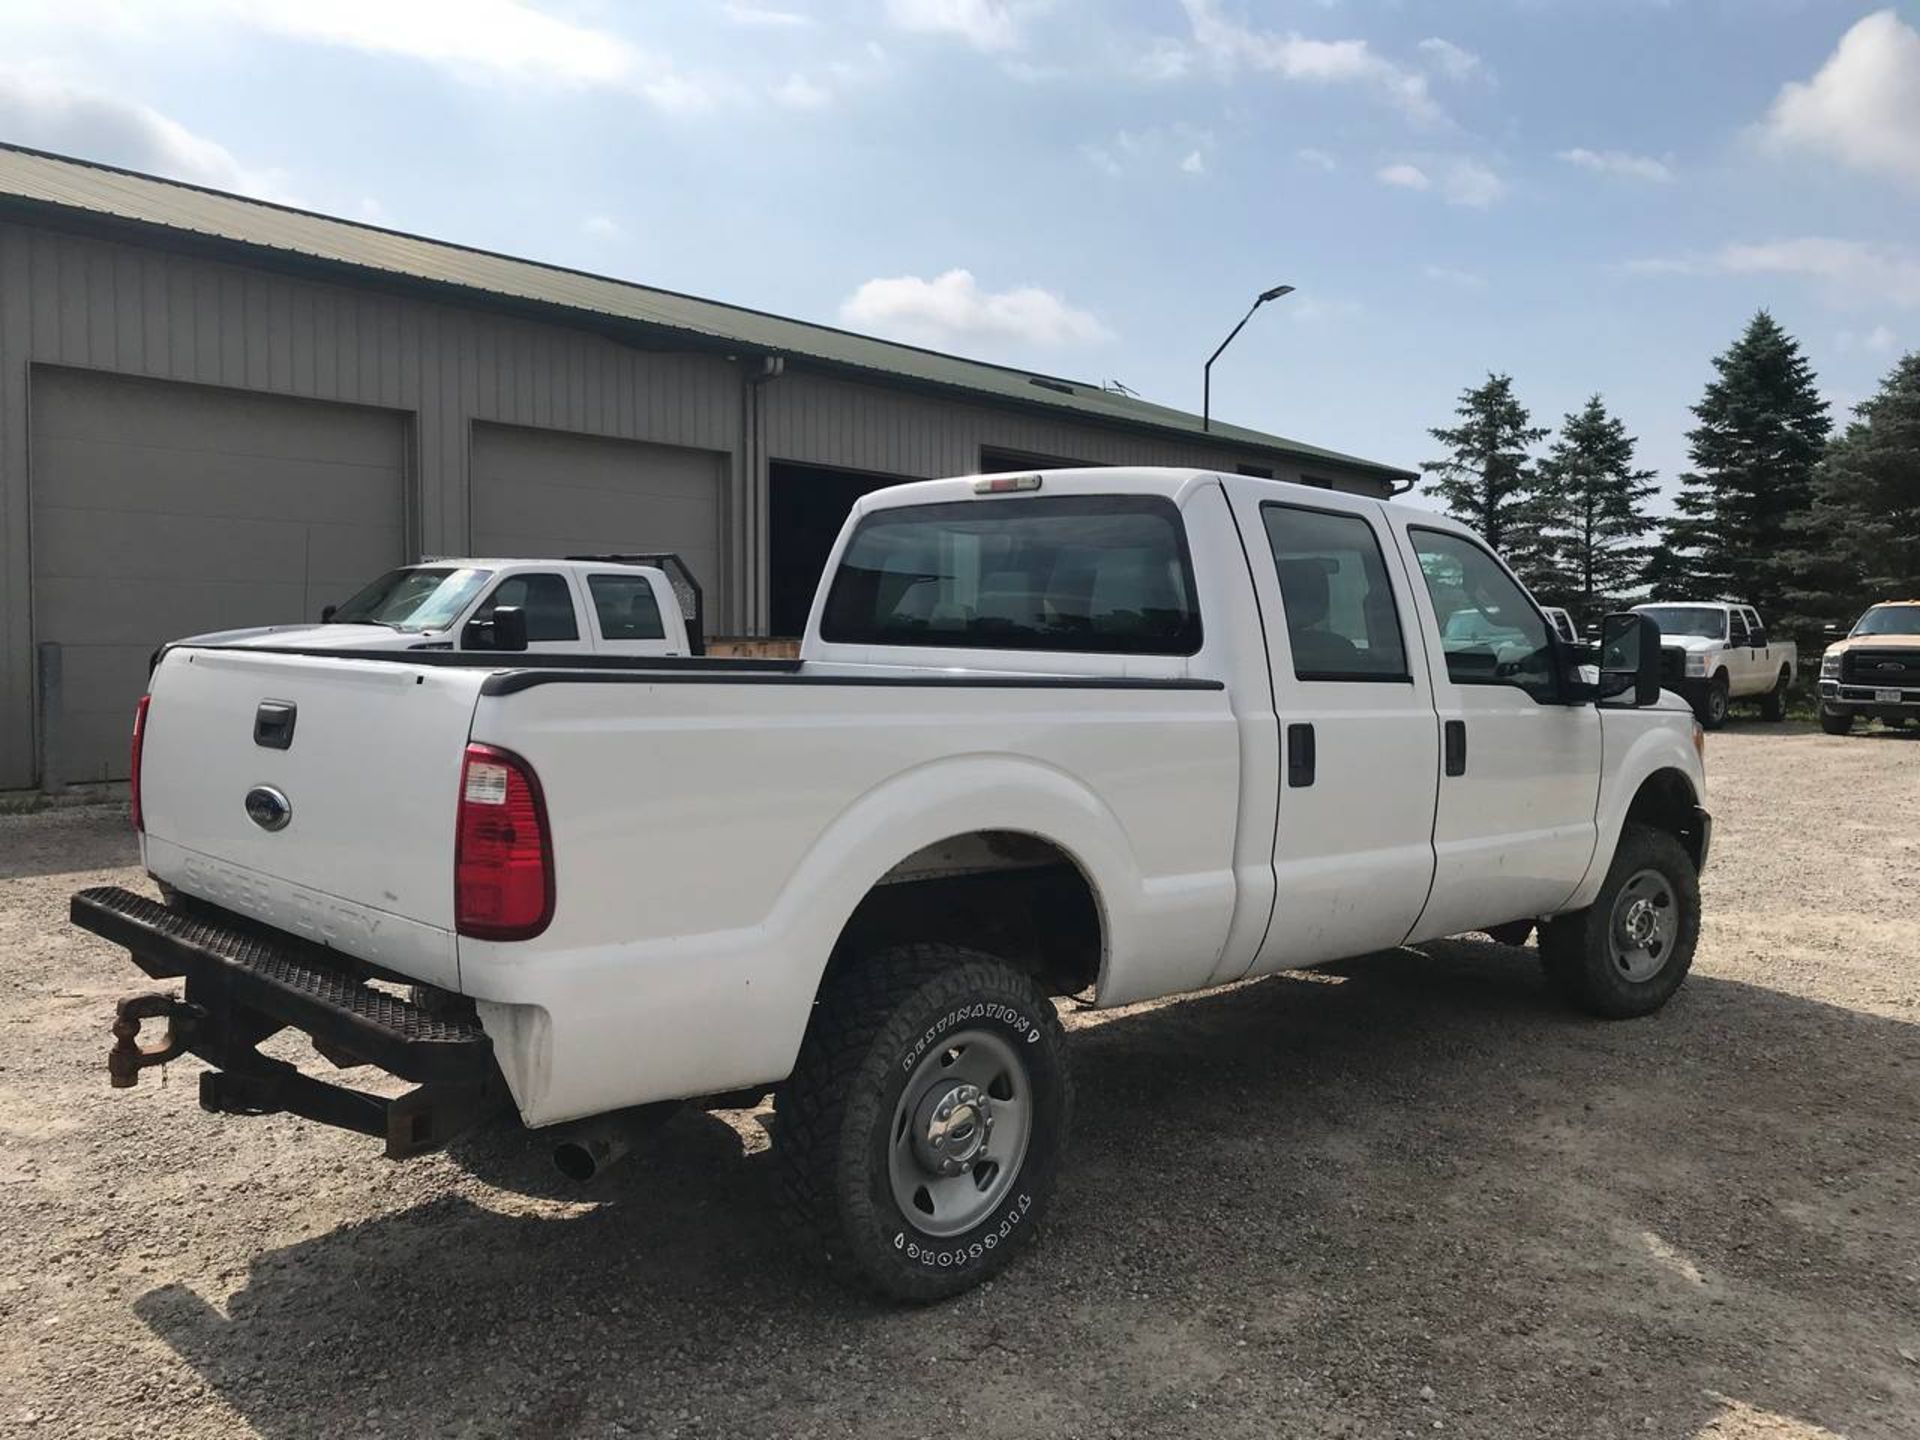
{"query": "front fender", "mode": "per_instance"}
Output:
(1637, 745)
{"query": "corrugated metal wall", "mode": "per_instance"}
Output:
(124, 308)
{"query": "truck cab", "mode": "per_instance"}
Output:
(610, 606)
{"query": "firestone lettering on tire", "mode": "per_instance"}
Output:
(934, 1259)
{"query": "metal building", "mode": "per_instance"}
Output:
(217, 412)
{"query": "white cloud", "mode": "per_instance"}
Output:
(983, 24)
(797, 92)
(502, 37)
(1618, 162)
(600, 227)
(1852, 272)
(1318, 159)
(1459, 279)
(1180, 147)
(1878, 341)
(46, 113)
(1448, 59)
(1230, 45)
(1460, 181)
(485, 41)
(763, 18)
(953, 309)
(1863, 106)
(1194, 164)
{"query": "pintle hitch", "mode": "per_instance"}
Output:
(129, 1057)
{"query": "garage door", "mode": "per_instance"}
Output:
(163, 510)
(548, 492)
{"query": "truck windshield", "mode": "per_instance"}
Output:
(1100, 574)
(417, 598)
(1703, 622)
(1890, 620)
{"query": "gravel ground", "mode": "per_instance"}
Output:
(1404, 1197)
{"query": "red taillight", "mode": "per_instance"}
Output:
(503, 858)
(133, 768)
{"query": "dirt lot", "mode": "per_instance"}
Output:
(1406, 1197)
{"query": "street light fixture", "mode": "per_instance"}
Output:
(1206, 381)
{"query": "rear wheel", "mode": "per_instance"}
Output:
(1773, 705)
(1627, 953)
(1835, 720)
(1713, 707)
(920, 1134)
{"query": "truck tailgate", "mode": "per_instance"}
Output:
(342, 830)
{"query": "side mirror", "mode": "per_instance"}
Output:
(327, 613)
(505, 629)
(510, 630)
(1630, 657)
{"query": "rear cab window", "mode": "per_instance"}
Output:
(1093, 574)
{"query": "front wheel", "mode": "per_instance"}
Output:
(1626, 953)
(920, 1133)
(1713, 706)
(1773, 705)
(1834, 720)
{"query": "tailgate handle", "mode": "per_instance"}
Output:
(273, 724)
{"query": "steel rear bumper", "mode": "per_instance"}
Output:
(247, 982)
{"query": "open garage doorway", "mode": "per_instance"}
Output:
(806, 506)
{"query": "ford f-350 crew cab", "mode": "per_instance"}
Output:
(1715, 653)
(1116, 733)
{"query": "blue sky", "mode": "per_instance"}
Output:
(1589, 194)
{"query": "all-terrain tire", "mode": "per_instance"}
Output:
(1835, 722)
(1578, 953)
(879, 1026)
(1773, 705)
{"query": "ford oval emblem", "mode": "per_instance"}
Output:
(268, 808)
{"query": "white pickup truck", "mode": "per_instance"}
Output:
(625, 605)
(1715, 653)
(1115, 734)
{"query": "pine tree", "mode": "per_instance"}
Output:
(1592, 502)
(1488, 480)
(1862, 535)
(1762, 428)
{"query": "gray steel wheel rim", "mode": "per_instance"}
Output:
(1643, 926)
(943, 1204)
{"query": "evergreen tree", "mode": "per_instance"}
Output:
(1592, 504)
(1762, 428)
(1488, 480)
(1862, 535)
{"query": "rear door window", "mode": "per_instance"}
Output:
(546, 599)
(1341, 620)
(626, 607)
(1101, 574)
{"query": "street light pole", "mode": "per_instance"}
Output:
(1206, 374)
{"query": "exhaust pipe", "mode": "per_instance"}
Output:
(588, 1151)
(593, 1145)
